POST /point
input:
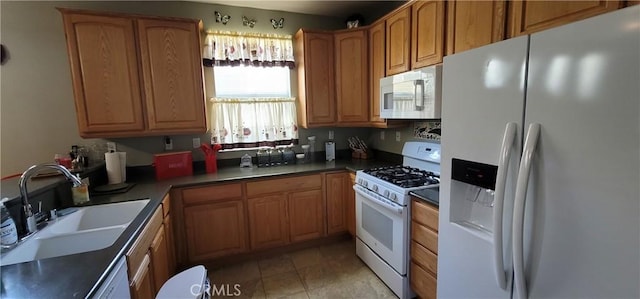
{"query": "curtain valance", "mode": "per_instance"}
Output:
(224, 48)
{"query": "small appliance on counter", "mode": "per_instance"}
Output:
(170, 165)
(330, 149)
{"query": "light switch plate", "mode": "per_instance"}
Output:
(196, 142)
(330, 135)
(168, 143)
(398, 136)
(382, 135)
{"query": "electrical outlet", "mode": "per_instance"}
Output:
(168, 143)
(111, 147)
(381, 135)
(398, 136)
(196, 142)
(330, 135)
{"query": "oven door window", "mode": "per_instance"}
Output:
(378, 225)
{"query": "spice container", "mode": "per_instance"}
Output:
(288, 156)
(263, 158)
(275, 157)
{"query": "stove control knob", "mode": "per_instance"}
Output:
(375, 188)
(394, 197)
(360, 181)
(365, 183)
(386, 193)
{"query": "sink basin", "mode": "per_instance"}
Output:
(41, 248)
(88, 229)
(99, 216)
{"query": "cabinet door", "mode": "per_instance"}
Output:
(316, 89)
(306, 215)
(352, 81)
(376, 70)
(171, 251)
(351, 205)
(427, 33)
(159, 259)
(214, 230)
(398, 32)
(172, 70)
(104, 70)
(142, 283)
(472, 24)
(268, 221)
(533, 16)
(337, 184)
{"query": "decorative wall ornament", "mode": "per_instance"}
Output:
(430, 130)
(220, 18)
(248, 22)
(354, 21)
(277, 23)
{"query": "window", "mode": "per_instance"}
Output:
(252, 82)
(252, 106)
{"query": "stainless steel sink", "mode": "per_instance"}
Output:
(88, 229)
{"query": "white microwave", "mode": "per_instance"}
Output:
(415, 94)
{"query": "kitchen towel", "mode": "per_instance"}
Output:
(116, 167)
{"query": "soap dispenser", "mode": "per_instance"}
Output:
(8, 231)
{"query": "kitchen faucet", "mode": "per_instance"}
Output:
(28, 213)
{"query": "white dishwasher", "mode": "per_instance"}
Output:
(117, 283)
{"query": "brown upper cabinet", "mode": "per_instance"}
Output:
(134, 75)
(316, 92)
(532, 16)
(398, 33)
(427, 33)
(415, 36)
(352, 81)
(472, 24)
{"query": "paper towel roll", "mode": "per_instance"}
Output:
(123, 165)
(114, 168)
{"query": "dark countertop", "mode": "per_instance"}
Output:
(79, 275)
(430, 195)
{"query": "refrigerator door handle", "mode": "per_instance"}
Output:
(501, 179)
(530, 144)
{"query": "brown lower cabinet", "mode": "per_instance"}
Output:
(423, 268)
(351, 205)
(223, 219)
(285, 210)
(148, 259)
(268, 221)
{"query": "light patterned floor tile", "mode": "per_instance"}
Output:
(276, 265)
(284, 284)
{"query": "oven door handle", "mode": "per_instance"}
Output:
(370, 198)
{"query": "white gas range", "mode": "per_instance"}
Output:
(382, 212)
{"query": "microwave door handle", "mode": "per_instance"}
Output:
(418, 94)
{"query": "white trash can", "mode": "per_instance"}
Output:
(190, 283)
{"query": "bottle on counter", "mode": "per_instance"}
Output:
(8, 231)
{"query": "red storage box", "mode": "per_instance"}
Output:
(171, 165)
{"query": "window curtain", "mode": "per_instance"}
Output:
(255, 49)
(256, 122)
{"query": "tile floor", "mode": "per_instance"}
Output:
(329, 271)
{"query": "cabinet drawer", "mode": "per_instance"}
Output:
(211, 193)
(284, 185)
(424, 236)
(136, 253)
(424, 214)
(422, 282)
(423, 257)
(166, 205)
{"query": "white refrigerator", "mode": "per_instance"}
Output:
(540, 171)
